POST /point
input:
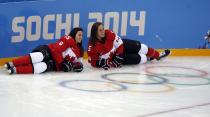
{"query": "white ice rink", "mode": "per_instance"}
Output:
(174, 87)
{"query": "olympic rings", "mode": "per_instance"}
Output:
(68, 83)
(163, 80)
(202, 73)
(176, 75)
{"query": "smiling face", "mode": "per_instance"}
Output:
(79, 36)
(100, 32)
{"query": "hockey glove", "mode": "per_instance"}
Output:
(77, 67)
(117, 60)
(102, 63)
(66, 66)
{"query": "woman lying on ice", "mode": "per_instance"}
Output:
(63, 55)
(106, 49)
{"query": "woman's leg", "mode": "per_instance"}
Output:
(35, 68)
(131, 46)
(152, 53)
(134, 47)
(34, 57)
(132, 59)
(149, 52)
(39, 54)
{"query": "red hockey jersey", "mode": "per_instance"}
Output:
(113, 45)
(64, 48)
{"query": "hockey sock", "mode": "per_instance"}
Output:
(26, 69)
(152, 53)
(23, 60)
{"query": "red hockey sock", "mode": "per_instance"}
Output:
(26, 69)
(23, 60)
(152, 53)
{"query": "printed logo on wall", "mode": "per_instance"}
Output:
(28, 26)
(34, 28)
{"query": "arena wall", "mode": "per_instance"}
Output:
(176, 24)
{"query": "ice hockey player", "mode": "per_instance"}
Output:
(63, 55)
(106, 49)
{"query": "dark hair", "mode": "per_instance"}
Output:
(93, 34)
(73, 35)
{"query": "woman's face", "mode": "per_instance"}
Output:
(79, 36)
(100, 32)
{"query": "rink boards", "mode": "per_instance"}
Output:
(175, 52)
